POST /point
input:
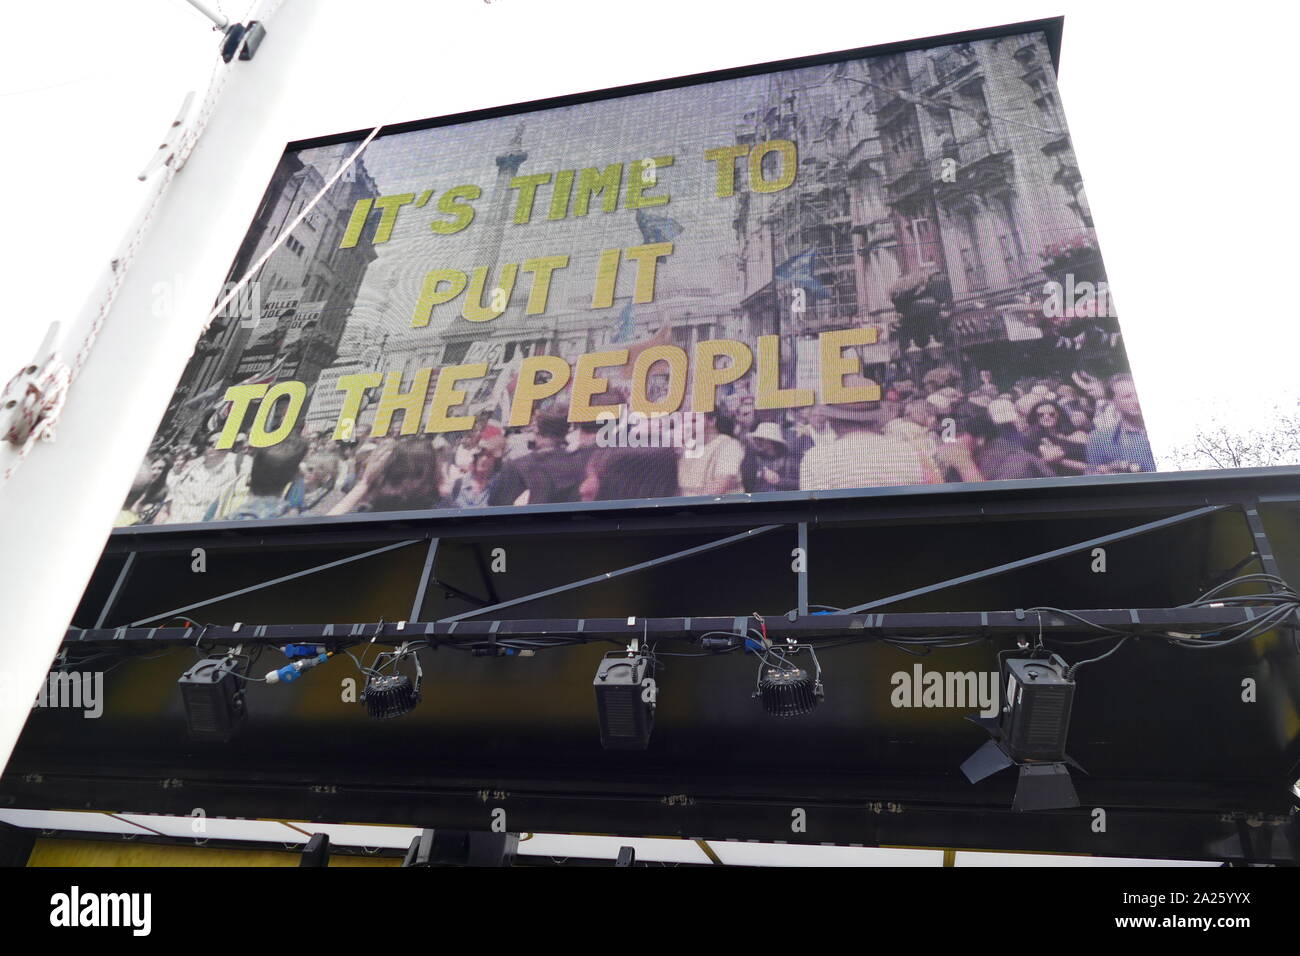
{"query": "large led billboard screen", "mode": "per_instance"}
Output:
(870, 269)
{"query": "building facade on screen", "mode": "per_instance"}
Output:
(880, 271)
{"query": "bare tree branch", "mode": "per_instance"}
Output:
(1219, 445)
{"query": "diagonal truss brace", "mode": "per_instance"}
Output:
(274, 581)
(1040, 558)
(610, 575)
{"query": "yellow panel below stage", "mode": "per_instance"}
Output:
(102, 853)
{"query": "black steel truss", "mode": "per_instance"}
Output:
(867, 626)
(1149, 817)
(800, 623)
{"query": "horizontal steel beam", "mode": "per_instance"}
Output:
(945, 501)
(1153, 817)
(866, 625)
(1110, 495)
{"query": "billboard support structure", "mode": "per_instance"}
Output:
(428, 576)
(1164, 815)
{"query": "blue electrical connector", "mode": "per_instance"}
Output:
(291, 672)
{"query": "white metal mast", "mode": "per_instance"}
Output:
(59, 504)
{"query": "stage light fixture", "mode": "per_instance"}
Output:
(461, 848)
(213, 693)
(1030, 733)
(317, 851)
(782, 687)
(626, 697)
(389, 695)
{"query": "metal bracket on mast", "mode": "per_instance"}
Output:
(169, 148)
(241, 38)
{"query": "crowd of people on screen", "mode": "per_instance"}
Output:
(931, 430)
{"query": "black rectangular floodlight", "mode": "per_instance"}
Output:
(461, 848)
(626, 718)
(214, 699)
(1036, 713)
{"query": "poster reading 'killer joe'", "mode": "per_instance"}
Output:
(877, 272)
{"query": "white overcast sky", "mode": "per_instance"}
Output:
(1182, 117)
